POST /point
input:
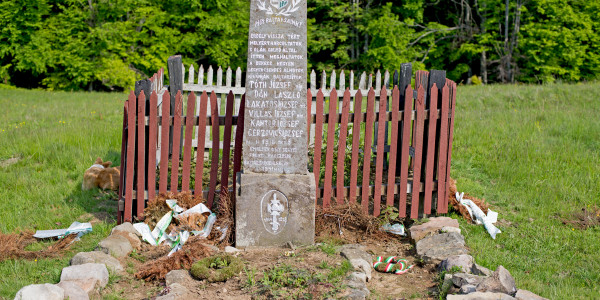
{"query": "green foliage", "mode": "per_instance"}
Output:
(330, 249)
(108, 45)
(388, 215)
(285, 281)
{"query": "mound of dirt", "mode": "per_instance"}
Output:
(584, 218)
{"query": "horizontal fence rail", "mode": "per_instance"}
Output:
(375, 146)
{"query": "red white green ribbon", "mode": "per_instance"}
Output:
(392, 264)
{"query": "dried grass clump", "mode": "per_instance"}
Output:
(158, 208)
(355, 224)
(12, 246)
(461, 208)
(193, 250)
(225, 219)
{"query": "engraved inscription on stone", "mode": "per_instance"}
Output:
(274, 211)
(275, 120)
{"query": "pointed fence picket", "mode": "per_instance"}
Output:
(406, 165)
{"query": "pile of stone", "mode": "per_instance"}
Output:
(361, 262)
(88, 272)
(439, 241)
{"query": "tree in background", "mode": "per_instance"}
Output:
(109, 44)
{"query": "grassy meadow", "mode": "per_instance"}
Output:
(47, 141)
(533, 152)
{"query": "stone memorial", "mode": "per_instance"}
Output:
(276, 196)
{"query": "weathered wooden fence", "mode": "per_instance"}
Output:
(367, 144)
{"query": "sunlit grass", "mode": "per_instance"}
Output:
(533, 152)
(47, 141)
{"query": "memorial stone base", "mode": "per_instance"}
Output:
(272, 209)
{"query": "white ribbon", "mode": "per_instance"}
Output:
(479, 217)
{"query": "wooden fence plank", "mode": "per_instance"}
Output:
(215, 149)
(141, 155)
(187, 144)
(226, 145)
(239, 136)
(367, 150)
(332, 120)
(130, 157)
(403, 81)
(176, 142)
(122, 165)
(355, 145)
(152, 136)
(420, 121)
(450, 138)
(403, 169)
(443, 148)
(381, 136)
(430, 157)
(393, 147)
(318, 138)
(341, 155)
(164, 154)
(201, 132)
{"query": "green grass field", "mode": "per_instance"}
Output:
(533, 152)
(530, 151)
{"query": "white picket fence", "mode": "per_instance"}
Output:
(205, 81)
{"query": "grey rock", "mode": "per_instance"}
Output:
(296, 194)
(115, 245)
(87, 276)
(359, 275)
(501, 281)
(97, 257)
(359, 294)
(446, 229)
(40, 291)
(358, 288)
(467, 289)
(125, 227)
(73, 291)
(230, 249)
(362, 265)
(481, 296)
(527, 295)
(134, 240)
(177, 291)
(434, 249)
(178, 276)
(351, 251)
(479, 270)
(464, 261)
(421, 231)
(461, 279)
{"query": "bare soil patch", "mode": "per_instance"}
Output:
(583, 218)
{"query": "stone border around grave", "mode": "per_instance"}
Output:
(88, 271)
(439, 241)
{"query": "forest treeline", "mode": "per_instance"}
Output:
(109, 44)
